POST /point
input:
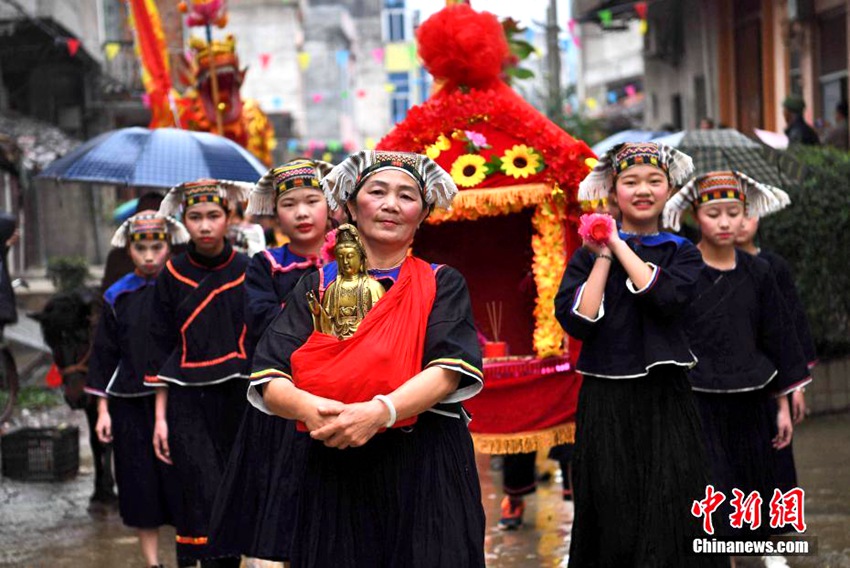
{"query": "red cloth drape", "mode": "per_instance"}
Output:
(385, 351)
(524, 404)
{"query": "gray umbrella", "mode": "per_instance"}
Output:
(728, 149)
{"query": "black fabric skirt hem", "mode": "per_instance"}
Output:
(147, 488)
(202, 426)
(638, 465)
(254, 511)
(738, 429)
(409, 497)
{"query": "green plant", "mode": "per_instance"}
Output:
(814, 236)
(38, 397)
(582, 127)
(520, 51)
(68, 272)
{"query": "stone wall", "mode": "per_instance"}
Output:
(830, 389)
(73, 219)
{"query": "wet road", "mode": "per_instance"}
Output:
(44, 524)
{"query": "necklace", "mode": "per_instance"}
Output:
(390, 268)
(630, 234)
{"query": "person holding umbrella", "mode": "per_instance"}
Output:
(198, 360)
(798, 131)
(749, 357)
(119, 262)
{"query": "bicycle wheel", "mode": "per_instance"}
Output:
(8, 384)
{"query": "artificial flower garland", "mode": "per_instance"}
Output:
(426, 126)
(548, 264)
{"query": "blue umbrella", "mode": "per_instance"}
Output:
(125, 210)
(626, 136)
(163, 157)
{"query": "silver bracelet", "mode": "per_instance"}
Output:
(390, 406)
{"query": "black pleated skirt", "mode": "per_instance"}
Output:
(638, 465)
(147, 487)
(410, 497)
(786, 469)
(739, 429)
(202, 426)
(254, 511)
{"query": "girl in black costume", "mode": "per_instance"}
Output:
(638, 463)
(198, 360)
(739, 331)
(255, 507)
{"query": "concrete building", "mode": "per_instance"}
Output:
(330, 39)
(371, 101)
(40, 76)
(269, 35)
(735, 61)
(51, 75)
(611, 64)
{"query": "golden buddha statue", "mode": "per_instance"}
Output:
(352, 293)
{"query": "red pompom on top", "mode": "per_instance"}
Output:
(463, 47)
(596, 228)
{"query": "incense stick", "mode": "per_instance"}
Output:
(494, 313)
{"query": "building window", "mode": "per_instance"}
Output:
(676, 111)
(700, 99)
(832, 63)
(115, 16)
(400, 97)
(393, 20)
(795, 73)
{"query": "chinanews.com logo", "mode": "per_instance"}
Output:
(786, 514)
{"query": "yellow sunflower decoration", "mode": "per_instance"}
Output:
(469, 170)
(440, 145)
(520, 161)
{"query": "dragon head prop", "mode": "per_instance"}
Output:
(219, 58)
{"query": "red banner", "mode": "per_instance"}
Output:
(153, 55)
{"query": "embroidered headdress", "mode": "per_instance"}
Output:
(345, 179)
(221, 192)
(600, 181)
(148, 225)
(296, 174)
(760, 199)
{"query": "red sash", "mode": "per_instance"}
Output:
(384, 353)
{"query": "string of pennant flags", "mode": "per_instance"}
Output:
(400, 57)
(613, 96)
(394, 57)
(606, 18)
(317, 97)
(71, 43)
(326, 149)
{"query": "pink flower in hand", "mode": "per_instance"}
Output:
(327, 253)
(596, 228)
